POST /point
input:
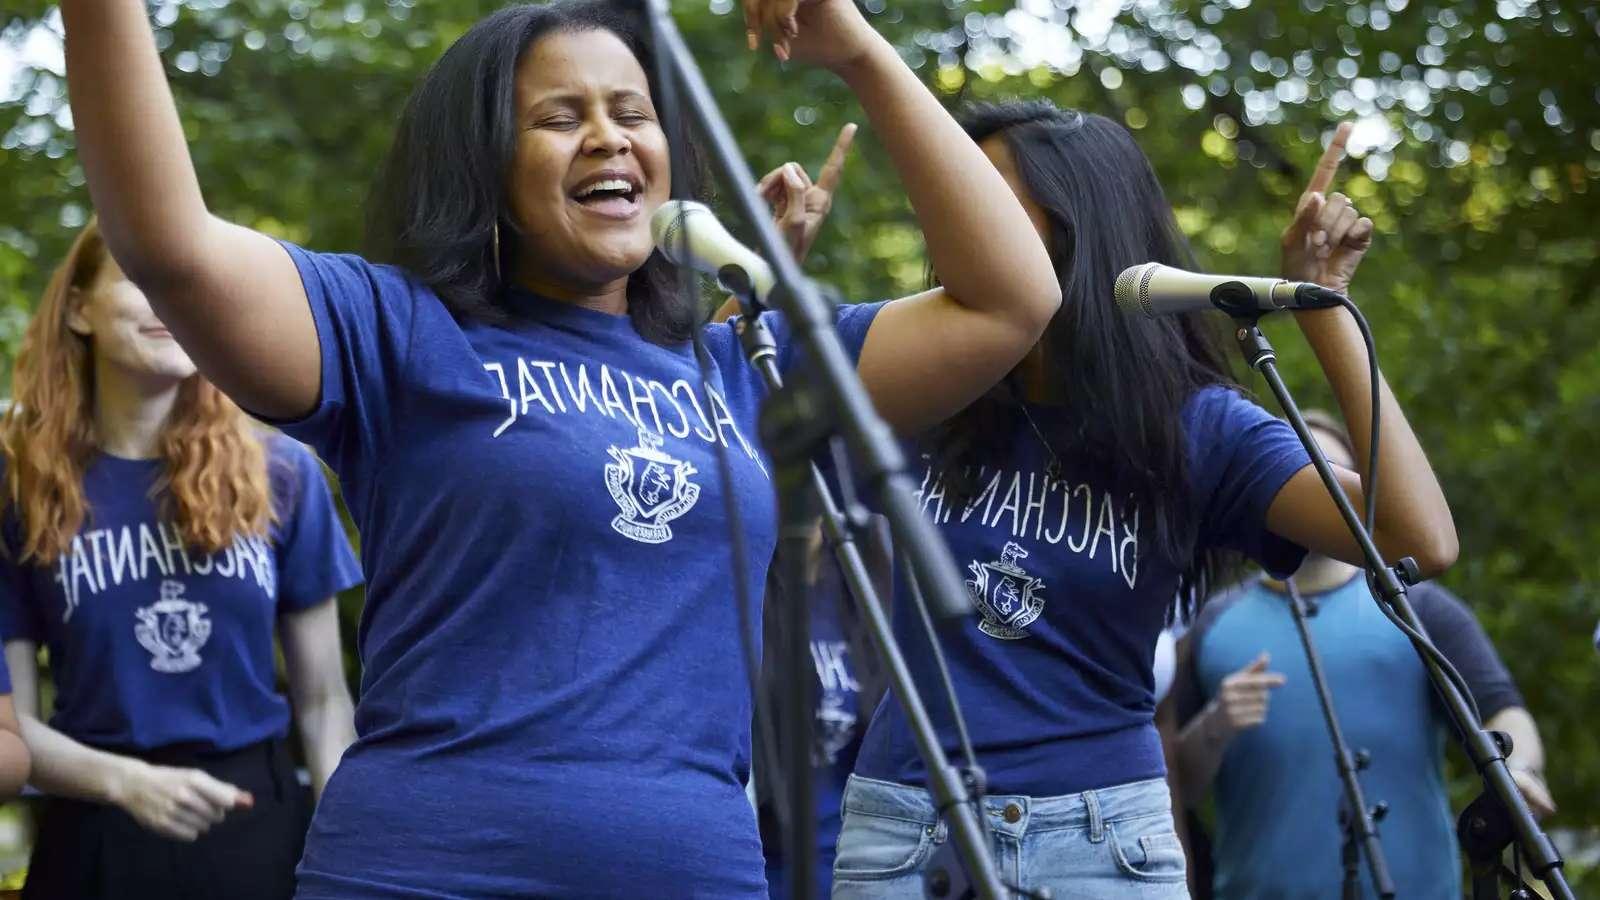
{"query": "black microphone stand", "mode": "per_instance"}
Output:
(795, 423)
(1355, 820)
(1499, 815)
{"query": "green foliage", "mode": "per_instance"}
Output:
(1478, 157)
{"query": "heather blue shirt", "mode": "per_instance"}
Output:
(1277, 791)
(1054, 669)
(153, 643)
(553, 698)
(839, 724)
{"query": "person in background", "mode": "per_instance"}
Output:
(1105, 477)
(849, 683)
(553, 698)
(155, 540)
(1253, 733)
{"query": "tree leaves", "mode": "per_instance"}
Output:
(1477, 153)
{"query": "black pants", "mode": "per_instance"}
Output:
(87, 851)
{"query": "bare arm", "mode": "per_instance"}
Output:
(15, 761)
(179, 803)
(1325, 244)
(231, 296)
(1241, 703)
(929, 355)
(317, 690)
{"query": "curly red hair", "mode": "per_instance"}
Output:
(215, 486)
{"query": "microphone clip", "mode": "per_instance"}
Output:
(1237, 300)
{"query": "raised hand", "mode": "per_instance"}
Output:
(179, 803)
(1242, 700)
(1327, 238)
(827, 33)
(799, 205)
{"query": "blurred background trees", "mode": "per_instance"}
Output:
(1476, 151)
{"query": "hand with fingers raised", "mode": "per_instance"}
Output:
(1327, 238)
(800, 205)
(1242, 700)
(827, 33)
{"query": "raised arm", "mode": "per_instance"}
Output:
(1325, 244)
(930, 355)
(231, 296)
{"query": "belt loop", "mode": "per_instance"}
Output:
(1097, 825)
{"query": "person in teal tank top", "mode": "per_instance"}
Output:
(1254, 737)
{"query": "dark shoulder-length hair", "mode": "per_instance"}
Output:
(442, 191)
(1122, 380)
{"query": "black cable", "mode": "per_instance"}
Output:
(1370, 492)
(945, 682)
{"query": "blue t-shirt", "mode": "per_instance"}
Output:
(553, 697)
(838, 724)
(1277, 792)
(154, 643)
(1054, 669)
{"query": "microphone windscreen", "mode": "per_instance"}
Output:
(1133, 288)
(666, 226)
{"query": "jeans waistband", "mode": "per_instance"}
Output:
(1014, 814)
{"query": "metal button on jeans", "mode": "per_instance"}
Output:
(1012, 813)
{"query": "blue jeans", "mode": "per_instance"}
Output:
(1107, 844)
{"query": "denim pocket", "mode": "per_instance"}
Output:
(873, 847)
(1157, 856)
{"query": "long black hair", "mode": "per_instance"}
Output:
(1122, 380)
(442, 190)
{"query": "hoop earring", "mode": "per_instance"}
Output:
(494, 248)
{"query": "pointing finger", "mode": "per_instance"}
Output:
(833, 168)
(1328, 165)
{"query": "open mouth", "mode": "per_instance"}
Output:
(611, 194)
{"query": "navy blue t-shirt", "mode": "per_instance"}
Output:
(1054, 669)
(154, 643)
(1277, 792)
(553, 697)
(839, 720)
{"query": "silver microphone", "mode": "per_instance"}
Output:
(688, 234)
(1153, 289)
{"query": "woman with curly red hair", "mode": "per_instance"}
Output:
(153, 540)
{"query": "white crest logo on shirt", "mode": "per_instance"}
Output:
(836, 727)
(173, 630)
(1006, 596)
(650, 487)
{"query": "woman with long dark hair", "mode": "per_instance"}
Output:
(554, 702)
(155, 541)
(1109, 473)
